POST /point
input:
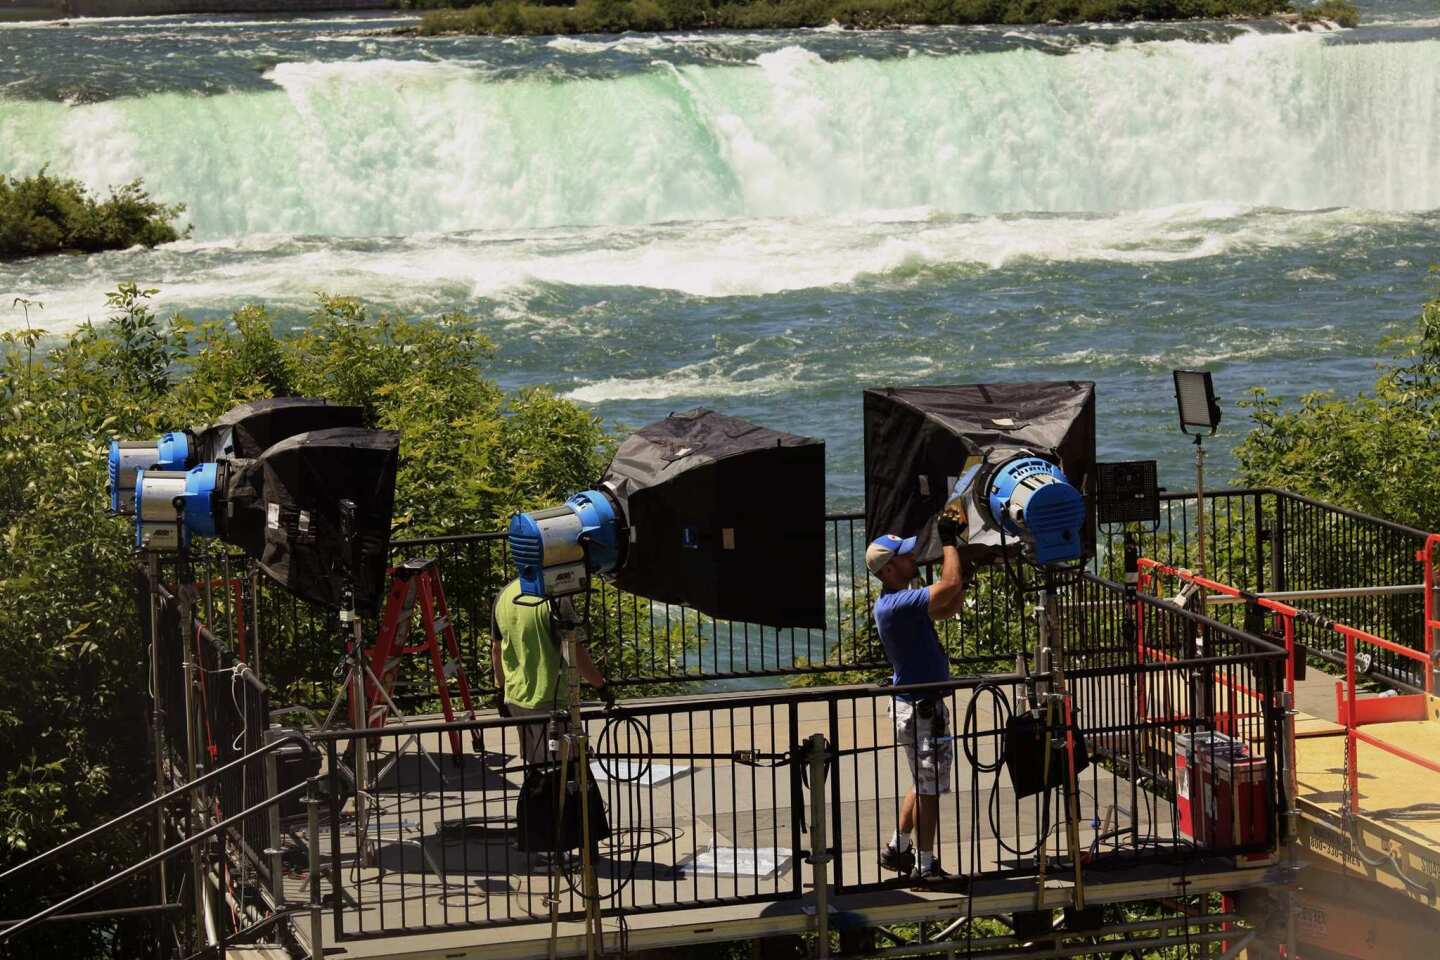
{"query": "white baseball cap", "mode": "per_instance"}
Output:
(884, 549)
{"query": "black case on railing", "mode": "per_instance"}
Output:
(535, 827)
(1025, 741)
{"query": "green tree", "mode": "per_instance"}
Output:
(73, 698)
(44, 214)
(1376, 452)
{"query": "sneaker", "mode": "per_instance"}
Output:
(898, 861)
(931, 874)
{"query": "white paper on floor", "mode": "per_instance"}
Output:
(759, 862)
(623, 770)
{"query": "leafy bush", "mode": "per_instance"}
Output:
(1376, 452)
(1342, 12)
(614, 16)
(45, 214)
(73, 700)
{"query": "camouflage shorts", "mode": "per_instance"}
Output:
(930, 767)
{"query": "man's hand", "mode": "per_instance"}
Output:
(951, 530)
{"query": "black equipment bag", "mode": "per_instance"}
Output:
(535, 813)
(1025, 740)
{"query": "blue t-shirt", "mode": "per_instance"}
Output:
(908, 635)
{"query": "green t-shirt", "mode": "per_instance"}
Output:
(529, 655)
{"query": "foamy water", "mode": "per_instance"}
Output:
(768, 222)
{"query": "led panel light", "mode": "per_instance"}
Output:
(1195, 396)
(1127, 492)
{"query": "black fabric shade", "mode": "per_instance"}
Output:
(284, 510)
(724, 516)
(250, 429)
(919, 439)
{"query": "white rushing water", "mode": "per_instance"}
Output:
(392, 148)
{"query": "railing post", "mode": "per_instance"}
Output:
(197, 881)
(1291, 783)
(1352, 766)
(1277, 547)
(1432, 668)
(817, 753)
(1258, 499)
(337, 891)
(312, 826)
(272, 847)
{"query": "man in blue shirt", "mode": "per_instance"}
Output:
(905, 618)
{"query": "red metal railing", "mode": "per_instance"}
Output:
(1432, 623)
(1350, 712)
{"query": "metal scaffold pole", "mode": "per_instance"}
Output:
(157, 724)
(817, 752)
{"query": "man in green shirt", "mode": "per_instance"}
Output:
(529, 669)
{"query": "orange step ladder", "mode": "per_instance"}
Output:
(417, 582)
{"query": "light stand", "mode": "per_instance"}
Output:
(1128, 495)
(578, 744)
(350, 623)
(157, 723)
(1199, 412)
(1057, 698)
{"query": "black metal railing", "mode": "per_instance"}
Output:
(214, 712)
(1258, 540)
(1264, 540)
(708, 798)
(187, 855)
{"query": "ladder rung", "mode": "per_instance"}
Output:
(451, 668)
(441, 624)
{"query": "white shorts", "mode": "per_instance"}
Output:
(932, 752)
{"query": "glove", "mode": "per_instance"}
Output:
(503, 709)
(951, 530)
(607, 695)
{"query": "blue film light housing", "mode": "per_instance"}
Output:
(171, 452)
(199, 499)
(557, 550)
(1030, 499)
(171, 506)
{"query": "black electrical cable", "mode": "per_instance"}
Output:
(1002, 712)
(635, 776)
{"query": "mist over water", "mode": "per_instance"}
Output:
(768, 223)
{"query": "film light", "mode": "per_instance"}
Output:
(1195, 396)
(689, 509)
(1127, 492)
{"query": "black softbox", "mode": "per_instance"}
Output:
(724, 516)
(250, 429)
(918, 440)
(284, 510)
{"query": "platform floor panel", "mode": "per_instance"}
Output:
(1386, 783)
(705, 832)
(729, 922)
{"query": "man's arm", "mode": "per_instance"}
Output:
(948, 593)
(569, 619)
(497, 668)
(586, 666)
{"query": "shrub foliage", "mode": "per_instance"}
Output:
(1376, 452)
(503, 17)
(45, 214)
(73, 698)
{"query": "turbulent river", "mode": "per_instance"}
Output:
(768, 223)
